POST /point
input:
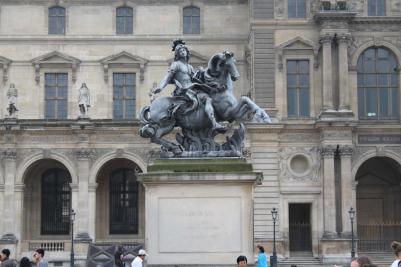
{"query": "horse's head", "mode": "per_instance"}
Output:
(223, 63)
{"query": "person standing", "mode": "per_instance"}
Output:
(38, 258)
(396, 246)
(361, 262)
(138, 261)
(118, 257)
(24, 262)
(5, 259)
(262, 258)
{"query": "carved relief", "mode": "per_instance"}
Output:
(396, 5)
(359, 152)
(279, 8)
(346, 151)
(328, 151)
(336, 135)
(85, 153)
(288, 174)
(9, 153)
(357, 6)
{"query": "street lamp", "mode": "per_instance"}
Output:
(352, 217)
(273, 258)
(72, 219)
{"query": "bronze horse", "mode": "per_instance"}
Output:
(216, 82)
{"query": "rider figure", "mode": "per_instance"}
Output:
(180, 74)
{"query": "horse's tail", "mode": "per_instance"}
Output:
(148, 128)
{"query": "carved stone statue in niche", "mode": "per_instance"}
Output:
(83, 101)
(12, 95)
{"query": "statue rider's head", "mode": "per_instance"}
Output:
(180, 50)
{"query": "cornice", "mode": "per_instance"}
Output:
(131, 40)
(112, 2)
(377, 20)
(334, 16)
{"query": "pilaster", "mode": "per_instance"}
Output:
(329, 204)
(326, 41)
(83, 157)
(8, 212)
(347, 200)
(343, 42)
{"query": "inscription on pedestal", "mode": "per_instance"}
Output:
(188, 225)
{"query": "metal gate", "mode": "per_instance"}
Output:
(300, 237)
(377, 237)
(102, 255)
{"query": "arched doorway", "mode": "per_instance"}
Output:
(378, 201)
(47, 201)
(120, 203)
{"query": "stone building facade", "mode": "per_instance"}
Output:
(329, 76)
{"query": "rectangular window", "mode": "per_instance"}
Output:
(191, 20)
(56, 20)
(296, 9)
(376, 7)
(56, 94)
(124, 96)
(124, 20)
(298, 88)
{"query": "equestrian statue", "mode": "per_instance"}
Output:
(201, 101)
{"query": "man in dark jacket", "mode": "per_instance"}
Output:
(5, 259)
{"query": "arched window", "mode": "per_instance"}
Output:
(191, 20)
(57, 20)
(124, 20)
(123, 202)
(56, 202)
(377, 84)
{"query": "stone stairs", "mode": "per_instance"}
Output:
(381, 259)
(300, 259)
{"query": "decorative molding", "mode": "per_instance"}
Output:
(299, 45)
(4, 65)
(85, 153)
(124, 60)
(378, 24)
(286, 154)
(346, 151)
(328, 151)
(336, 134)
(55, 59)
(9, 153)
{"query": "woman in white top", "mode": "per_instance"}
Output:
(396, 246)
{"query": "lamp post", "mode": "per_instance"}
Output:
(273, 258)
(72, 219)
(352, 217)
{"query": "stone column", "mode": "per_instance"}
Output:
(8, 211)
(343, 41)
(329, 192)
(346, 187)
(326, 41)
(92, 211)
(82, 220)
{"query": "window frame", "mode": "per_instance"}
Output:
(56, 117)
(363, 115)
(134, 97)
(298, 116)
(58, 17)
(384, 8)
(296, 10)
(125, 22)
(192, 16)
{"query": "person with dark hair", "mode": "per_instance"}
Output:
(396, 246)
(362, 261)
(118, 257)
(242, 261)
(5, 259)
(262, 258)
(25, 262)
(38, 258)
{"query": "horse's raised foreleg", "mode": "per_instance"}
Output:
(244, 105)
(158, 139)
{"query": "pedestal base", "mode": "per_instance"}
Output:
(202, 217)
(336, 251)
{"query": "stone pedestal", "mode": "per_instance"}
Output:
(199, 211)
(336, 251)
